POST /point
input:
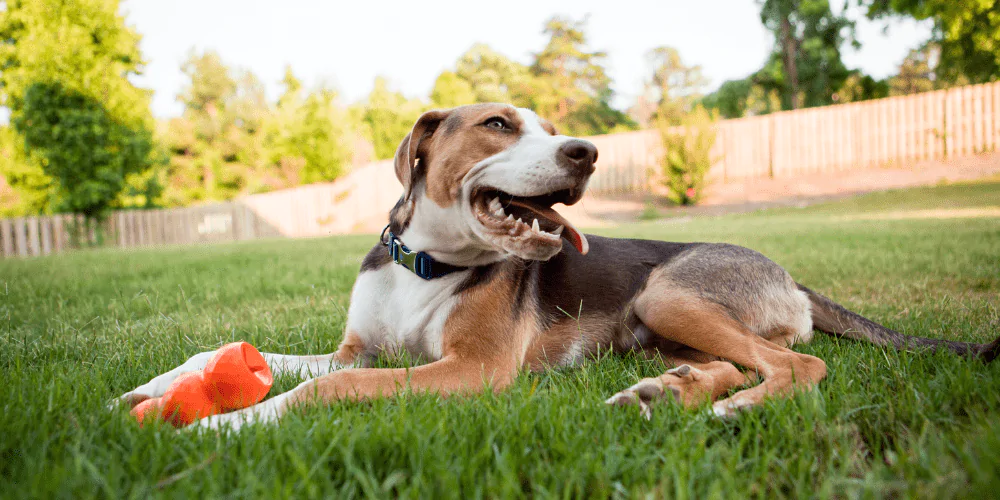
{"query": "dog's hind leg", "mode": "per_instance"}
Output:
(685, 317)
(695, 378)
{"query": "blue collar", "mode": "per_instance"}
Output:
(419, 263)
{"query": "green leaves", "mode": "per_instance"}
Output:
(687, 154)
(967, 32)
(566, 83)
(83, 128)
(82, 147)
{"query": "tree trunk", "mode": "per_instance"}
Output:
(789, 45)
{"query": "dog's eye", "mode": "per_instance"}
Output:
(496, 123)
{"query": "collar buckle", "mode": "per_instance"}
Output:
(419, 262)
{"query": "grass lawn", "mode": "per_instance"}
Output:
(79, 329)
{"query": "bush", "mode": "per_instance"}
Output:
(687, 155)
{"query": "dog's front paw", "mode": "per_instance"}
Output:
(127, 401)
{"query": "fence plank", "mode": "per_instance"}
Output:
(34, 245)
(988, 118)
(996, 116)
(978, 144)
(21, 236)
(7, 237)
(58, 236)
(45, 228)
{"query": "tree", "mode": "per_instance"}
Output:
(65, 78)
(86, 150)
(916, 74)
(967, 33)
(673, 87)
(450, 91)
(806, 67)
(495, 78)
(308, 139)
(573, 89)
(861, 87)
(200, 140)
(387, 117)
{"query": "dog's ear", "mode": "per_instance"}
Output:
(414, 147)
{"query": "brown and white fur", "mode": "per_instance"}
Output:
(525, 302)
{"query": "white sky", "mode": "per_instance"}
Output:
(348, 43)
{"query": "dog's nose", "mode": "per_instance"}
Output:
(578, 156)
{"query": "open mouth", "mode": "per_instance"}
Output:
(528, 216)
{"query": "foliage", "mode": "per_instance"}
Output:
(451, 91)
(806, 67)
(387, 117)
(687, 156)
(495, 78)
(861, 87)
(72, 54)
(918, 73)
(205, 141)
(83, 148)
(566, 83)
(671, 90)
(967, 33)
(573, 88)
(230, 140)
(31, 190)
(310, 131)
(739, 98)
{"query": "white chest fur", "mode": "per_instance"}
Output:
(394, 310)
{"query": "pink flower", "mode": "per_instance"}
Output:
(690, 192)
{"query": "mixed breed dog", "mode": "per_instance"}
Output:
(472, 274)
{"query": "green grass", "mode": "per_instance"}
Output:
(79, 329)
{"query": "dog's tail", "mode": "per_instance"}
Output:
(832, 318)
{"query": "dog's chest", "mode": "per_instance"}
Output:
(393, 310)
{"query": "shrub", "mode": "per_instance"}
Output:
(687, 155)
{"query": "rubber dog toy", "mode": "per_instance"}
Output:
(236, 377)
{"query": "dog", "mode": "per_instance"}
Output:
(472, 274)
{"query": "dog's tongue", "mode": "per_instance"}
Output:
(570, 233)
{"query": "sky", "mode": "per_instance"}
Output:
(348, 43)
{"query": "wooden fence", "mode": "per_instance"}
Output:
(42, 235)
(357, 202)
(898, 130)
(870, 134)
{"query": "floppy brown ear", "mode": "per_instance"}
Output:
(410, 149)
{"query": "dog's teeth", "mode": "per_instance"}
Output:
(498, 211)
(495, 204)
(558, 231)
(510, 218)
(534, 226)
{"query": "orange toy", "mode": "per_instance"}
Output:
(236, 377)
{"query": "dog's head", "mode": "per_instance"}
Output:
(479, 183)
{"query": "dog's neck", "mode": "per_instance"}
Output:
(440, 232)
